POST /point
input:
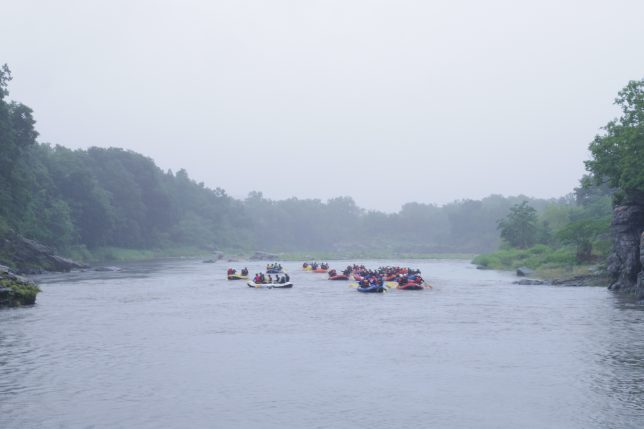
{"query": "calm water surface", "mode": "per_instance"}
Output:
(172, 344)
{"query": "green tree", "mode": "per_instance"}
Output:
(618, 155)
(5, 78)
(581, 233)
(519, 227)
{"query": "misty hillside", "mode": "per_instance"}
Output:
(114, 197)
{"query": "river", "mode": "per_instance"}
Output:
(172, 344)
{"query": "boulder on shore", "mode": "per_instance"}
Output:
(529, 282)
(524, 272)
(16, 290)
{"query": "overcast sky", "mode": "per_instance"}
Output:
(384, 101)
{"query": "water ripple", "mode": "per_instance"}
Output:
(173, 344)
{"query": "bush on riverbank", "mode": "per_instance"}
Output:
(536, 257)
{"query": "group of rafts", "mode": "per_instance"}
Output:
(368, 280)
(375, 281)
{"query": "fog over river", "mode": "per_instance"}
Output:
(174, 344)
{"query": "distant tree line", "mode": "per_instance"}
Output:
(113, 197)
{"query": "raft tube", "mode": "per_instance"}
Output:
(371, 289)
(411, 286)
(286, 285)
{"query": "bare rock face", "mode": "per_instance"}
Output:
(29, 256)
(625, 264)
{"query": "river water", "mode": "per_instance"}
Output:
(172, 344)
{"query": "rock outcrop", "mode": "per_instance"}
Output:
(529, 282)
(524, 272)
(16, 290)
(626, 262)
(30, 257)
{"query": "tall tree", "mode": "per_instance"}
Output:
(519, 227)
(618, 155)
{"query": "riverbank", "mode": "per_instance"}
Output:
(117, 254)
(120, 254)
(556, 266)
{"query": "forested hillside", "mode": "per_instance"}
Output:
(100, 197)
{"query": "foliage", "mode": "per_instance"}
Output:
(118, 204)
(618, 155)
(519, 227)
(582, 233)
(569, 232)
(538, 256)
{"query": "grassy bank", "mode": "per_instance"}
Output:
(120, 254)
(546, 261)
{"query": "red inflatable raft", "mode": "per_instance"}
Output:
(411, 286)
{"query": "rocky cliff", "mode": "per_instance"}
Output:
(627, 261)
(30, 257)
